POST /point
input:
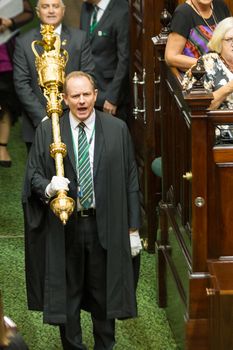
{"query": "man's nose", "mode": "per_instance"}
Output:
(51, 9)
(81, 99)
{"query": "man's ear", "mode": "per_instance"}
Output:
(37, 12)
(65, 98)
(96, 94)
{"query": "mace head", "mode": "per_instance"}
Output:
(48, 37)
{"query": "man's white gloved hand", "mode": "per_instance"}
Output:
(45, 118)
(135, 243)
(57, 183)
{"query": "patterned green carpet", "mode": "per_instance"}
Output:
(150, 331)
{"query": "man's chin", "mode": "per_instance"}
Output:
(83, 116)
(52, 23)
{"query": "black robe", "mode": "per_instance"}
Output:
(117, 209)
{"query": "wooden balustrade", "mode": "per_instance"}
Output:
(196, 212)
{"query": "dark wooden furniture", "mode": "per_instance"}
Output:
(221, 304)
(196, 209)
(195, 216)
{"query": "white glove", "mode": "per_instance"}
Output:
(45, 118)
(57, 183)
(135, 243)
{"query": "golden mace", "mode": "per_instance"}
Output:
(50, 66)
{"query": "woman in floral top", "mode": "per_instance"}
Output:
(219, 67)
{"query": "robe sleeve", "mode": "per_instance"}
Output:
(132, 184)
(37, 179)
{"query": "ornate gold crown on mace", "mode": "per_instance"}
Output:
(50, 66)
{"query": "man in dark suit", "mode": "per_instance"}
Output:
(107, 23)
(87, 263)
(25, 75)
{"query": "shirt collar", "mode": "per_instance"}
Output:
(103, 4)
(58, 29)
(89, 122)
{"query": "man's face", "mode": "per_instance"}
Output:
(50, 12)
(80, 97)
(206, 3)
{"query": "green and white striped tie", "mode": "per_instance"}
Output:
(94, 19)
(84, 169)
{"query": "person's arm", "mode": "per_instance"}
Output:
(133, 200)
(24, 17)
(132, 185)
(122, 69)
(19, 20)
(23, 84)
(109, 107)
(87, 61)
(173, 52)
(221, 94)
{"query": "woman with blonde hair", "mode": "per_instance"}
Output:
(218, 64)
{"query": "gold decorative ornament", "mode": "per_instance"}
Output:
(188, 176)
(50, 66)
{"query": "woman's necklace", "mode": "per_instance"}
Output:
(227, 64)
(204, 20)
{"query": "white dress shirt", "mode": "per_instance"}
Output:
(58, 29)
(102, 5)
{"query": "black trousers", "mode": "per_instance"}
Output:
(86, 284)
(28, 146)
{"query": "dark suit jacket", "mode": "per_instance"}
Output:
(117, 209)
(110, 50)
(26, 77)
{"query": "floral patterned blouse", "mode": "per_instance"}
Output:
(217, 75)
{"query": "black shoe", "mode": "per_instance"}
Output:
(5, 163)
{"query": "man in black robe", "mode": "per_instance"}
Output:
(88, 262)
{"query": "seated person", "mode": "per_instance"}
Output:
(9, 103)
(219, 67)
(192, 26)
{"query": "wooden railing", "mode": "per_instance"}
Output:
(196, 209)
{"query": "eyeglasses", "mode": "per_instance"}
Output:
(229, 41)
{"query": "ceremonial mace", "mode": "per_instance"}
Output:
(50, 66)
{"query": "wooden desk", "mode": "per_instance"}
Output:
(221, 304)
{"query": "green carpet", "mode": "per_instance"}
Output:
(150, 331)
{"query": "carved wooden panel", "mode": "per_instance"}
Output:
(221, 204)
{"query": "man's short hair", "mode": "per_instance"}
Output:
(78, 74)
